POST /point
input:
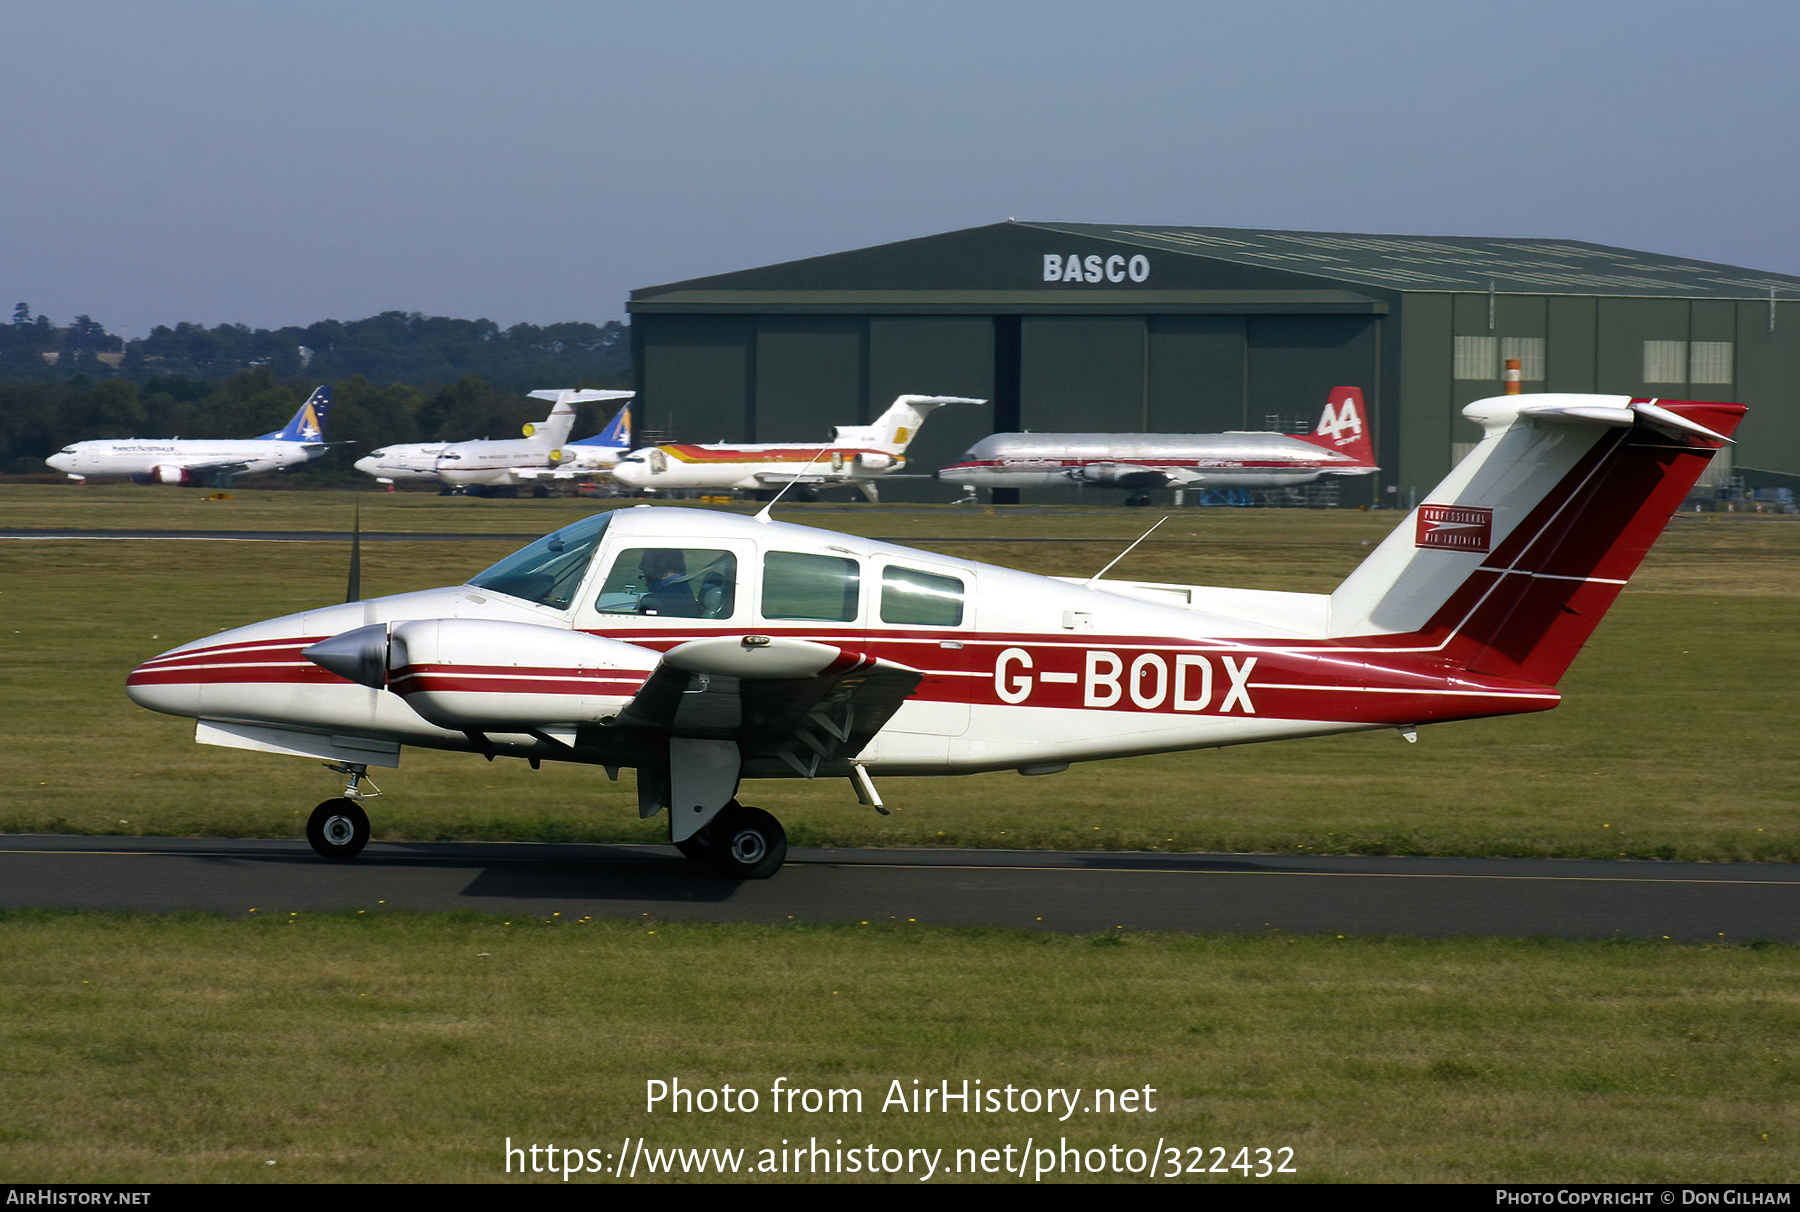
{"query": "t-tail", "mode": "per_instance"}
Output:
(553, 430)
(1343, 427)
(307, 425)
(899, 425)
(1508, 565)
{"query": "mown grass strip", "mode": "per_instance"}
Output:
(407, 1048)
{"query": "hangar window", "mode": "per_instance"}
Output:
(1530, 353)
(922, 599)
(1665, 362)
(550, 570)
(674, 582)
(1477, 358)
(801, 586)
(1709, 362)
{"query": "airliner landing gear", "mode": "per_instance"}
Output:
(338, 829)
(1138, 498)
(743, 843)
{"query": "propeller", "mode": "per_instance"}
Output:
(353, 591)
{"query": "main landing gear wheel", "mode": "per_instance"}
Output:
(338, 829)
(747, 843)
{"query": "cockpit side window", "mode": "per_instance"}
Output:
(673, 582)
(922, 599)
(797, 585)
(549, 571)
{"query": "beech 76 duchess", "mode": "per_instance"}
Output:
(702, 649)
(193, 461)
(1339, 445)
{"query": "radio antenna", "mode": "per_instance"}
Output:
(1089, 583)
(763, 515)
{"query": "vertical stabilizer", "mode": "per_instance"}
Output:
(899, 425)
(553, 430)
(1508, 565)
(306, 425)
(1343, 427)
(617, 432)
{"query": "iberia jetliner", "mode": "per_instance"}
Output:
(856, 455)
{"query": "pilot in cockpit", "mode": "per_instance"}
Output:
(667, 589)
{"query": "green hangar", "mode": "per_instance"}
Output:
(1072, 327)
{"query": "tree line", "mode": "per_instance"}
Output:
(396, 377)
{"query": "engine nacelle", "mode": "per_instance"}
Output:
(484, 675)
(166, 473)
(1120, 475)
(875, 460)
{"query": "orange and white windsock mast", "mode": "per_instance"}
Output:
(1512, 377)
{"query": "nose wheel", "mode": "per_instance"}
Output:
(338, 829)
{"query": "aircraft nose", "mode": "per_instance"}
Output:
(165, 683)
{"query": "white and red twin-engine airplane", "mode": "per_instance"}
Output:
(704, 648)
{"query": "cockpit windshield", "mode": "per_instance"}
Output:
(550, 570)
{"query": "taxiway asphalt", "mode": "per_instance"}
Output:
(1063, 892)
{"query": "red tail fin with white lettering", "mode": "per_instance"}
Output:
(1508, 565)
(1343, 427)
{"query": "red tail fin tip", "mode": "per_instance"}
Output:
(1343, 427)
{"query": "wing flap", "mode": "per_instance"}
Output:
(792, 706)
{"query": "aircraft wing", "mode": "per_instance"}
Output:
(781, 477)
(230, 467)
(1126, 475)
(789, 705)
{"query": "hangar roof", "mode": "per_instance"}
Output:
(1452, 263)
(1012, 267)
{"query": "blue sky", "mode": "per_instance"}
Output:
(283, 163)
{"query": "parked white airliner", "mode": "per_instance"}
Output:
(539, 455)
(1340, 445)
(856, 455)
(193, 461)
(417, 462)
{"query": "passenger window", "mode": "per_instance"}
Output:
(922, 599)
(818, 587)
(671, 582)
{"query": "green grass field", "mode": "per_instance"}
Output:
(408, 1049)
(400, 1048)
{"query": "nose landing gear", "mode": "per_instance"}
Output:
(339, 828)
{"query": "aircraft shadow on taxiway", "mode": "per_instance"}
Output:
(602, 873)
